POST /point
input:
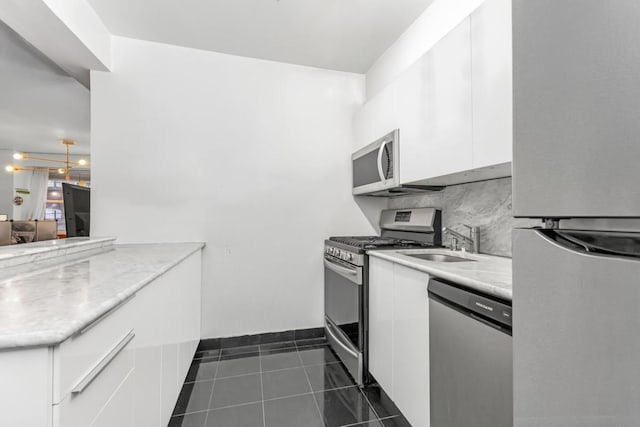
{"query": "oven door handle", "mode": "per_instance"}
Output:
(354, 275)
(339, 340)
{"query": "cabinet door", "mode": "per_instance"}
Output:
(168, 330)
(363, 132)
(377, 117)
(411, 111)
(448, 118)
(491, 81)
(25, 389)
(119, 409)
(380, 321)
(385, 114)
(411, 345)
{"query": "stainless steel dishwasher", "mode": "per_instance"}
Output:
(470, 358)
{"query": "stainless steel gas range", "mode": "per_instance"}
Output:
(346, 279)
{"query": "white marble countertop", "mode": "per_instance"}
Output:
(46, 306)
(486, 273)
(24, 253)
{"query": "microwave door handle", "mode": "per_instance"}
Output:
(380, 151)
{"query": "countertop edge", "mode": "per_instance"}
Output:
(55, 337)
(443, 274)
(8, 260)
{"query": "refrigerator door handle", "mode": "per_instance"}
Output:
(596, 243)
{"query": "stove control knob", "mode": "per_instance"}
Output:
(331, 251)
(338, 253)
(349, 257)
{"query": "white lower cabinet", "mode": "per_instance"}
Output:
(411, 344)
(381, 321)
(126, 369)
(119, 409)
(167, 334)
(399, 336)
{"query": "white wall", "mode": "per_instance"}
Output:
(435, 22)
(250, 156)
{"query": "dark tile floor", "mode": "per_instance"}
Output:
(287, 384)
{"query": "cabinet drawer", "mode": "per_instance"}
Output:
(119, 410)
(82, 408)
(75, 358)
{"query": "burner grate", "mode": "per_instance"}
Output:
(372, 242)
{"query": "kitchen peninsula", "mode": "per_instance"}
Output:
(94, 332)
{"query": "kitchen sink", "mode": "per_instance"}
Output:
(440, 257)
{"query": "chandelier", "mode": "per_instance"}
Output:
(66, 170)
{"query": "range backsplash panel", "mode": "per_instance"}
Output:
(486, 204)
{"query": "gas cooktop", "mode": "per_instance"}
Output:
(375, 242)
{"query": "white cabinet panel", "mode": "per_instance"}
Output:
(168, 330)
(147, 381)
(80, 409)
(119, 409)
(399, 336)
(411, 345)
(76, 356)
(380, 322)
(377, 117)
(412, 115)
(448, 122)
(25, 391)
(363, 132)
(492, 83)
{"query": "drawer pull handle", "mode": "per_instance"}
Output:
(83, 383)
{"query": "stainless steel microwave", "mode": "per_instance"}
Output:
(376, 169)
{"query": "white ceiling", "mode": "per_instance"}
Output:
(39, 103)
(345, 35)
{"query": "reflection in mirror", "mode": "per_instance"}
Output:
(44, 139)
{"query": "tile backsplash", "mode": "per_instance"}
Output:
(485, 204)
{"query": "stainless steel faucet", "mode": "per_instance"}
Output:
(473, 240)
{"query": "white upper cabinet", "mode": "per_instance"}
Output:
(453, 106)
(377, 117)
(412, 114)
(492, 83)
(448, 121)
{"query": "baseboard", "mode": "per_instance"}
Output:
(266, 338)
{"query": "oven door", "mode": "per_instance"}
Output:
(343, 296)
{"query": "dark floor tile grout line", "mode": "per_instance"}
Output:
(222, 407)
(368, 421)
(315, 400)
(259, 372)
(264, 420)
(206, 417)
(370, 405)
(311, 392)
(189, 413)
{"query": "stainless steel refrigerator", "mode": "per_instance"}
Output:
(576, 288)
